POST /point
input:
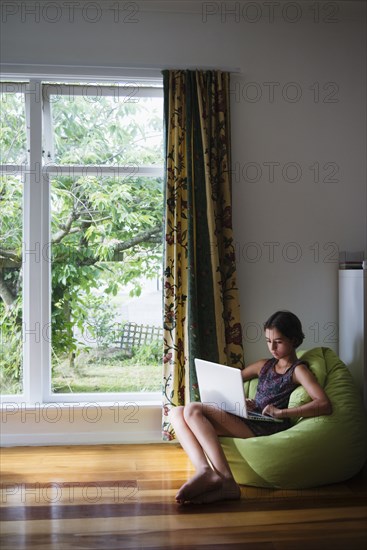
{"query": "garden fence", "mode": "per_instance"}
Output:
(134, 335)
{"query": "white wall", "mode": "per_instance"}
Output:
(288, 233)
(319, 215)
(80, 423)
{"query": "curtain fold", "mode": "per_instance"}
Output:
(201, 303)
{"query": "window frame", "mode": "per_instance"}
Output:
(36, 232)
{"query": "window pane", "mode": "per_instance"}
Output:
(107, 130)
(106, 270)
(13, 142)
(11, 285)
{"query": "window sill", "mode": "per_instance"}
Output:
(84, 423)
(22, 405)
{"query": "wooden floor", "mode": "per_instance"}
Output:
(111, 497)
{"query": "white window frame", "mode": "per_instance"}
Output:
(36, 238)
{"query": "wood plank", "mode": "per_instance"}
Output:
(158, 517)
(308, 536)
(122, 496)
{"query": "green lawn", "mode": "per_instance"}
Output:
(109, 372)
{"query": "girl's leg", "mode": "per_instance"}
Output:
(197, 427)
(190, 444)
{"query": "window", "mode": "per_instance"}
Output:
(13, 152)
(81, 241)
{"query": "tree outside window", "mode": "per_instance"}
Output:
(102, 155)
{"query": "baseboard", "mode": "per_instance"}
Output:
(86, 438)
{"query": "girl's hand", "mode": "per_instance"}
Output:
(271, 410)
(250, 404)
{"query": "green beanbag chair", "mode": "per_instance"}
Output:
(314, 451)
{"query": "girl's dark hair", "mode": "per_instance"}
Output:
(288, 324)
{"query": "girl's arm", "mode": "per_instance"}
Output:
(253, 371)
(320, 404)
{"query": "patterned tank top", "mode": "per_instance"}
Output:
(274, 388)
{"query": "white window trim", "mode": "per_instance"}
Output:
(37, 268)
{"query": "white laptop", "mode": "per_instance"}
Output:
(223, 386)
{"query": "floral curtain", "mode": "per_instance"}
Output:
(201, 304)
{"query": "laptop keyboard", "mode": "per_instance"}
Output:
(262, 417)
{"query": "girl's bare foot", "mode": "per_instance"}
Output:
(229, 490)
(203, 482)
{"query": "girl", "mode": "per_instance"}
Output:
(198, 427)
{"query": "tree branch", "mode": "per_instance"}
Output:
(66, 228)
(10, 255)
(5, 293)
(152, 236)
(57, 238)
(139, 238)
